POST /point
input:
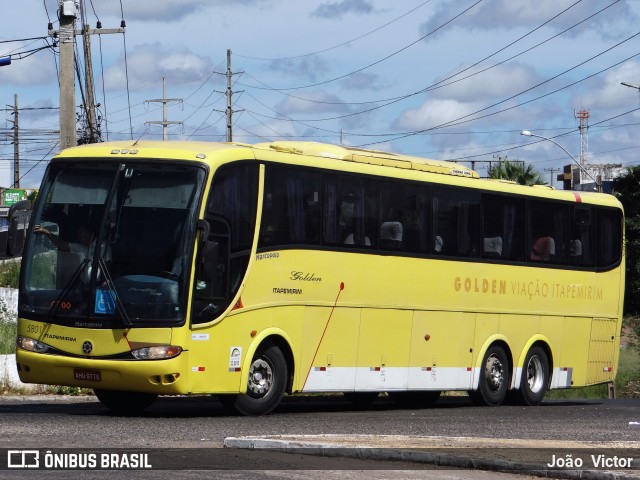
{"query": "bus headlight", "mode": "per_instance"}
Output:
(157, 352)
(31, 344)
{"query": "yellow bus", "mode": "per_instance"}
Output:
(255, 271)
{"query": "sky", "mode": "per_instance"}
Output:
(444, 79)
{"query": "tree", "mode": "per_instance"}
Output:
(516, 172)
(627, 189)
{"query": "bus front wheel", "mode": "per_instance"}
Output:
(125, 403)
(494, 378)
(535, 378)
(266, 382)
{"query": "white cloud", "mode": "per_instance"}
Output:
(338, 9)
(607, 92)
(434, 112)
(363, 81)
(149, 63)
(162, 10)
(33, 70)
(311, 102)
(499, 82)
(509, 14)
(310, 68)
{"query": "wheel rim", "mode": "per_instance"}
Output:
(260, 378)
(535, 374)
(495, 372)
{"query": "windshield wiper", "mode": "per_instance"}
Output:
(67, 288)
(112, 288)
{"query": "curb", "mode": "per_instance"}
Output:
(433, 455)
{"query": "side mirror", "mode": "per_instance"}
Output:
(210, 260)
(16, 207)
(210, 252)
(204, 228)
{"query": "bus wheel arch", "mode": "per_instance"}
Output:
(494, 376)
(535, 376)
(267, 373)
(286, 350)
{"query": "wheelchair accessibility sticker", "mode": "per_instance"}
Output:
(105, 302)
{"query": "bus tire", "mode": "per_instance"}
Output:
(125, 403)
(415, 399)
(494, 378)
(535, 378)
(266, 382)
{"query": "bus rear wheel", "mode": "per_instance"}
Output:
(535, 378)
(266, 384)
(125, 403)
(494, 378)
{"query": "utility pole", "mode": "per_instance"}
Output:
(90, 105)
(16, 144)
(551, 170)
(229, 93)
(164, 100)
(16, 141)
(68, 13)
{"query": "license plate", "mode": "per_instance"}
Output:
(87, 375)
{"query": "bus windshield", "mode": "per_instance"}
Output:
(111, 244)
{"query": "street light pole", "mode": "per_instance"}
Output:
(598, 182)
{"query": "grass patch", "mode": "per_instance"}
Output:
(627, 381)
(8, 338)
(10, 274)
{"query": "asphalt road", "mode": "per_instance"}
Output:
(201, 421)
(201, 424)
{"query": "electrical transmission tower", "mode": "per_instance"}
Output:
(583, 116)
(229, 93)
(164, 100)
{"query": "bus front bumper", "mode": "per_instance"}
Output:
(163, 377)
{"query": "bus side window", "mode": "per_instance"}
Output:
(502, 227)
(290, 212)
(581, 250)
(350, 211)
(548, 230)
(456, 217)
(609, 237)
(403, 217)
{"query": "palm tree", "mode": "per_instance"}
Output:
(516, 172)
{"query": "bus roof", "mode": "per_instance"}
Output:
(229, 151)
(169, 149)
(372, 157)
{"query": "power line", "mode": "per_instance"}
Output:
(443, 82)
(348, 42)
(384, 58)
